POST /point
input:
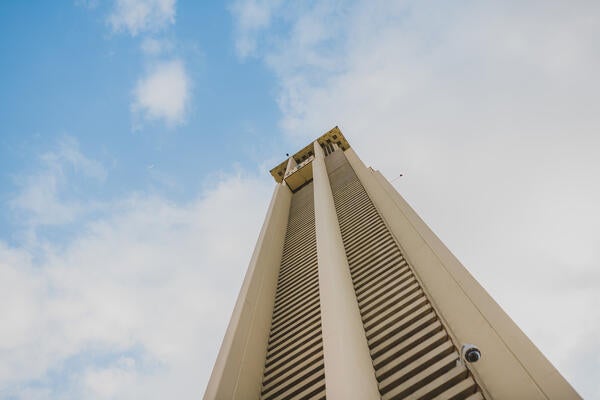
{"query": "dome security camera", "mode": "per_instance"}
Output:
(470, 353)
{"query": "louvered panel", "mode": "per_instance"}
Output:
(400, 292)
(272, 378)
(291, 339)
(474, 396)
(384, 282)
(371, 237)
(288, 287)
(370, 268)
(296, 315)
(285, 358)
(400, 336)
(412, 354)
(409, 350)
(294, 364)
(417, 365)
(299, 302)
(410, 296)
(292, 329)
(298, 321)
(293, 324)
(294, 259)
(269, 386)
(385, 263)
(400, 323)
(399, 311)
(427, 383)
(295, 275)
(415, 301)
(378, 248)
(464, 388)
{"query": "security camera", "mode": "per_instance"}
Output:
(470, 353)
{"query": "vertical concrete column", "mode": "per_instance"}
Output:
(237, 373)
(290, 165)
(349, 373)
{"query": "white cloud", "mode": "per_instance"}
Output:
(155, 47)
(67, 153)
(163, 94)
(137, 16)
(136, 304)
(251, 16)
(90, 4)
(491, 112)
(41, 199)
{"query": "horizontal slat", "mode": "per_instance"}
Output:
(381, 253)
(460, 391)
(292, 351)
(296, 383)
(387, 271)
(374, 266)
(383, 309)
(416, 366)
(395, 316)
(476, 396)
(284, 326)
(293, 336)
(399, 293)
(291, 291)
(437, 386)
(409, 350)
(308, 269)
(402, 335)
(284, 302)
(294, 326)
(417, 382)
(376, 339)
(399, 307)
(299, 303)
(309, 384)
(301, 365)
(385, 284)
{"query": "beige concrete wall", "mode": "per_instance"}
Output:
(511, 366)
(349, 373)
(237, 373)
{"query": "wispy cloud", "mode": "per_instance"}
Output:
(134, 304)
(163, 94)
(43, 197)
(155, 47)
(138, 16)
(251, 17)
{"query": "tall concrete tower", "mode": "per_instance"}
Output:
(349, 295)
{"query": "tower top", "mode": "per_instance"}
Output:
(333, 136)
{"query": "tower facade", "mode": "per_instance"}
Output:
(349, 295)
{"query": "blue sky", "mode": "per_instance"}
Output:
(136, 137)
(77, 75)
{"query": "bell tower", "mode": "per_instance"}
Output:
(349, 295)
